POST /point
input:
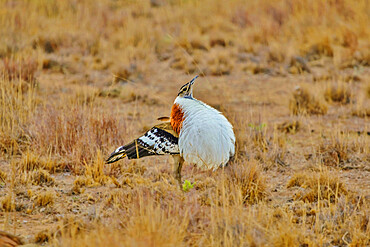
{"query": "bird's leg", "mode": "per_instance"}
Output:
(177, 166)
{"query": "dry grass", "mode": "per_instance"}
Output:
(42, 177)
(318, 186)
(30, 162)
(3, 176)
(290, 126)
(16, 108)
(247, 181)
(362, 106)
(338, 92)
(80, 78)
(44, 199)
(303, 102)
(7, 203)
(334, 153)
(149, 224)
(22, 71)
(361, 112)
(341, 151)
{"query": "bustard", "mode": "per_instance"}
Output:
(196, 133)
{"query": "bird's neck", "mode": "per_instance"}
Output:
(177, 117)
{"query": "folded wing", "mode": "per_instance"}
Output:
(159, 140)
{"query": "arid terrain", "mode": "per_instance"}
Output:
(80, 78)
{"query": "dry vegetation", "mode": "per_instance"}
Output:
(79, 78)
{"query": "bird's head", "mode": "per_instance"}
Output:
(187, 89)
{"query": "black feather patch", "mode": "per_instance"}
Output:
(156, 141)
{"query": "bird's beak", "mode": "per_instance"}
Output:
(193, 80)
(190, 86)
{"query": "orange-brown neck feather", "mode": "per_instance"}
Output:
(177, 117)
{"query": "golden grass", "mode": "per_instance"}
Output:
(7, 203)
(3, 176)
(334, 153)
(361, 112)
(290, 126)
(16, 107)
(367, 90)
(42, 177)
(247, 181)
(44, 199)
(80, 78)
(150, 224)
(318, 186)
(20, 71)
(338, 92)
(339, 150)
(303, 102)
(31, 162)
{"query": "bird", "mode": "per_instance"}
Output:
(195, 133)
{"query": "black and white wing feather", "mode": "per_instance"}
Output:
(159, 140)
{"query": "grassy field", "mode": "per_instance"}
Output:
(80, 78)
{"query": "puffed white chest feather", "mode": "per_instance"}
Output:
(206, 137)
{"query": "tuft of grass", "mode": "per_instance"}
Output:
(134, 167)
(119, 199)
(96, 170)
(126, 73)
(303, 102)
(183, 61)
(113, 93)
(7, 203)
(43, 199)
(194, 43)
(290, 127)
(75, 136)
(43, 237)
(298, 65)
(258, 135)
(49, 45)
(361, 112)
(318, 186)
(337, 151)
(30, 161)
(70, 227)
(247, 180)
(84, 96)
(339, 93)
(240, 183)
(3, 176)
(20, 70)
(16, 108)
(218, 63)
(318, 50)
(149, 224)
(81, 182)
(342, 151)
(42, 177)
(229, 228)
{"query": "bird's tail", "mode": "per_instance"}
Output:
(118, 154)
(133, 150)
